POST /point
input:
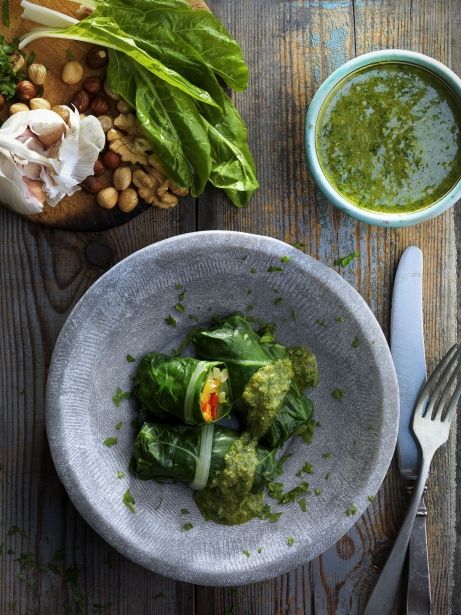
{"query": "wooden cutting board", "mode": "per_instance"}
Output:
(80, 211)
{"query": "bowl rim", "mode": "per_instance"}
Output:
(56, 420)
(313, 111)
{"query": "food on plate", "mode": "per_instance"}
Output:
(194, 391)
(227, 468)
(164, 63)
(234, 342)
(408, 154)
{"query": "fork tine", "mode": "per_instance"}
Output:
(446, 393)
(453, 404)
(424, 394)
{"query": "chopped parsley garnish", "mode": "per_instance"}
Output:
(303, 504)
(118, 425)
(340, 319)
(180, 307)
(320, 322)
(120, 474)
(8, 78)
(343, 261)
(306, 469)
(274, 268)
(186, 527)
(285, 259)
(317, 491)
(268, 515)
(111, 441)
(246, 553)
(293, 314)
(70, 55)
(120, 396)
(170, 321)
(370, 498)
(337, 394)
(326, 455)
(260, 549)
(351, 510)
(356, 342)
(277, 300)
(129, 502)
(130, 358)
(280, 463)
(182, 294)
(299, 245)
(6, 12)
(178, 286)
(184, 511)
(276, 492)
(290, 540)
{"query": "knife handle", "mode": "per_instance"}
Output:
(419, 580)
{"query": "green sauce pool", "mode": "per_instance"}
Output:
(388, 138)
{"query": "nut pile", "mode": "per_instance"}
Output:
(127, 170)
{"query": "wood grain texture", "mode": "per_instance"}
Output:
(78, 212)
(290, 50)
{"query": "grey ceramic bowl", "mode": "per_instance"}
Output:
(124, 312)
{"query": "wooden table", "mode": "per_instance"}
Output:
(291, 46)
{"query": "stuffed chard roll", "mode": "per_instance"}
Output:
(257, 370)
(194, 391)
(227, 470)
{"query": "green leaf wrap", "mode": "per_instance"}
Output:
(234, 342)
(171, 452)
(172, 385)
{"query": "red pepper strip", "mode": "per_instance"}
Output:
(214, 405)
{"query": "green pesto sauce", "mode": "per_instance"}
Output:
(264, 394)
(228, 499)
(388, 138)
(304, 366)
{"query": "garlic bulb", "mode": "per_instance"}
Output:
(42, 159)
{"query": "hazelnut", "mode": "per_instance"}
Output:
(92, 185)
(25, 90)
(107, 198)
(93, 85)
(122, 178)
(111, 159)
(62, 111)
(72, 73)
(99, 168)
(37, 73)
(2, 102)
(124, 107)
(97, 57)
(81, 101)
(106, 122)
(128, 200)
(39, 103)
(100, 105)
(110, 93)
(17, 108)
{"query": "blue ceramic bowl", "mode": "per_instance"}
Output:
(374, 217)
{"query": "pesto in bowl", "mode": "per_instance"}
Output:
(383, 138)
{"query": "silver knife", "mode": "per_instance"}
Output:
(407, 347)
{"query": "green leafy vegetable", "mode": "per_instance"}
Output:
(118, 425)
(343, 261)
(274, 268)
(8, 78)
(6, 12)
(129, 502)
(179, 307)
(326, 455)
(268, 515)
(246, 553)
(285, 259)
(370, 498)
(302, 504)
(260, 549)
(317, 491)
(277, 300)
(186, 527)
(31, 58)
(184, 511)
(130, 358)
(170, 321)
(276, 492)
(120, 474)
(290, 541)
(356, 342)
(351, 510)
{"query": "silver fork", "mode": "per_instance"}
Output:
(431, 425)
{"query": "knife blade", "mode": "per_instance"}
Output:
(407, 348)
